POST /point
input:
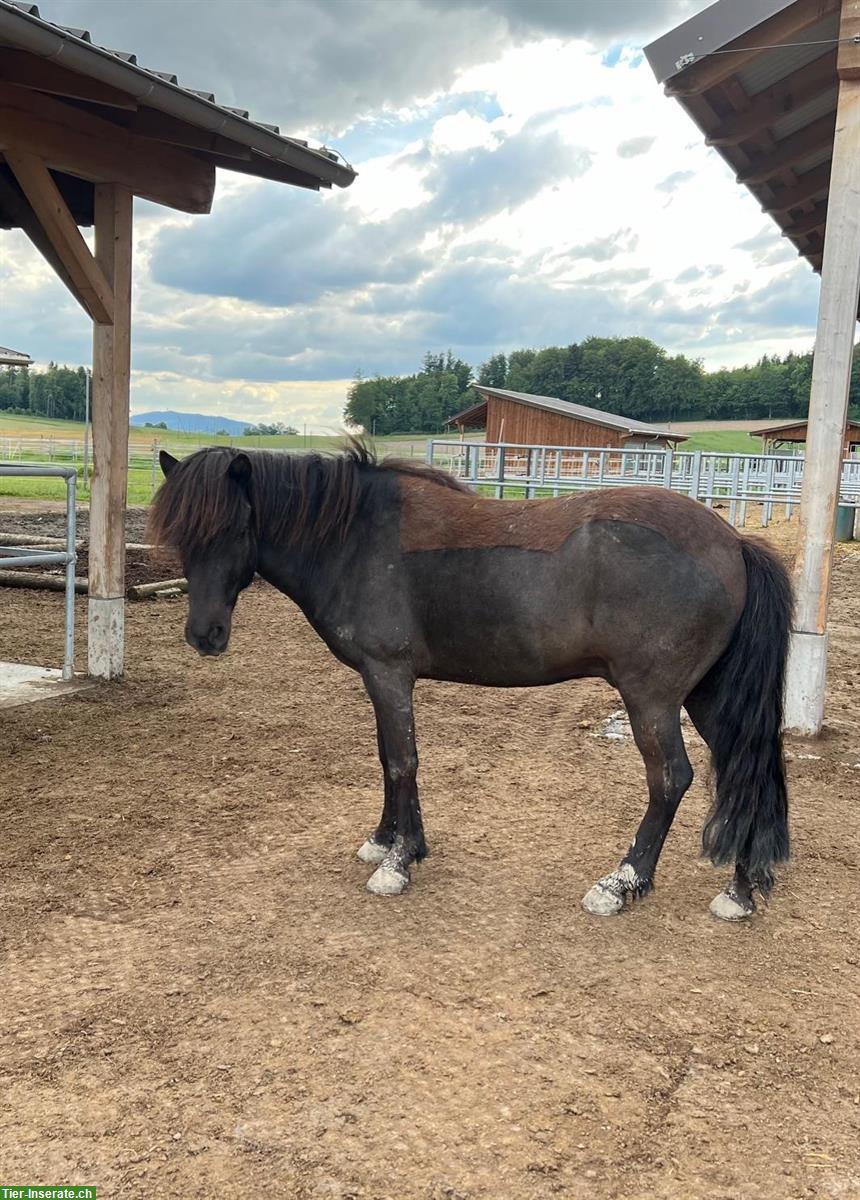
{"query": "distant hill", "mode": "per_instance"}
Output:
(192, 422)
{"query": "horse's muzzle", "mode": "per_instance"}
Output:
(210, 642)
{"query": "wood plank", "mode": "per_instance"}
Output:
(848, 59)
(828, 410)
(790, 150)
(71, 140)
(786, 96)
(784, 26)
(41, 74)
(158, 126)
(90, 286)
(810, 222)
(18, 208)
(110, 413)
(268, 168)
(810, 185)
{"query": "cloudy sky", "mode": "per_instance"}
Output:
(523, 181)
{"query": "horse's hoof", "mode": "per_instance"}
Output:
(372, 852)
(385, 881)
(728, 908)
(602, 903)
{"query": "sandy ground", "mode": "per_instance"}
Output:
(200, 999)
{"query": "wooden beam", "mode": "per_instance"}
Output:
(90, 286)
(848, 60)
(790, 150)
(17, 206)
(784, 26)
(43, 75)
(69, 139)
(161, 127)
(268, 168)
(775, 102)
(110, 405)
(809, 186)
(828, 410)
(810, 222)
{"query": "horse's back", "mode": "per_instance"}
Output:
(534, 591)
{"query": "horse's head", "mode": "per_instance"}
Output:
(203, 510)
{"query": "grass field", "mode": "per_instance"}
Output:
(141, 479)
(726, 441)
(141, 441)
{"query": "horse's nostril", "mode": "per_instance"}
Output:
(216, 632)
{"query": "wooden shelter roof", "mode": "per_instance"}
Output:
(796, 431)
(760, 78)
(13, 358)
(129, 124)
(477, 413)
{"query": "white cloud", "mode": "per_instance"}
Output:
(541, 195)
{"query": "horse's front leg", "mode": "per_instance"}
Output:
(390, 689)
(379, 842)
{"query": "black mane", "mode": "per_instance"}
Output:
(294, 498)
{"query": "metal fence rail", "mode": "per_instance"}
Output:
(16, 556)
(738, 480)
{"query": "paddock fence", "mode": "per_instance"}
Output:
(142, 454)
(733, 481)
(20, 556)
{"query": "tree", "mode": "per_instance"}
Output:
(494, 371)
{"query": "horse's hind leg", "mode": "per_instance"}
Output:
(658, 735)
(379, 842)
(736, 901)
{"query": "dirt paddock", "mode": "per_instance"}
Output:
(200, 999)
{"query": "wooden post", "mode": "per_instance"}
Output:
(110, 411)
(828, 406)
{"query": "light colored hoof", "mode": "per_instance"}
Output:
(372, 852)
(386, 882)
(602, 903)
(727, 908)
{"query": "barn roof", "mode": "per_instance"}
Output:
(62, 71)
(786, 428)
(13, 358)
(577, 412)
(759, 78)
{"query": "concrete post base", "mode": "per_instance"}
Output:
(106, 637)
(805, 682)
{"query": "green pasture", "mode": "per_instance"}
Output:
(725, 441)
(140, 483)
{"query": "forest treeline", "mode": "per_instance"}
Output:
(57, 392)
(632, 377)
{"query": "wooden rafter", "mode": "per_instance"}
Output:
(268, 168)
(151, 124)
(782, 27)
(25, 70)
(808, 222)
(809, 186)
(69, 139)
(790, 150)
(786, 96)
(58, 225)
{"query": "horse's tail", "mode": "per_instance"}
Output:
(748, 823)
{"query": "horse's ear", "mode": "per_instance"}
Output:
(168, 462)
(240, 469)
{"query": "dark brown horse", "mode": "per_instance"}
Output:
(408, 574)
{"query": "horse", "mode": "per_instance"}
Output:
(407, 573)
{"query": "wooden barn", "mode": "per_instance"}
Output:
(520, 419)
(777, 437)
